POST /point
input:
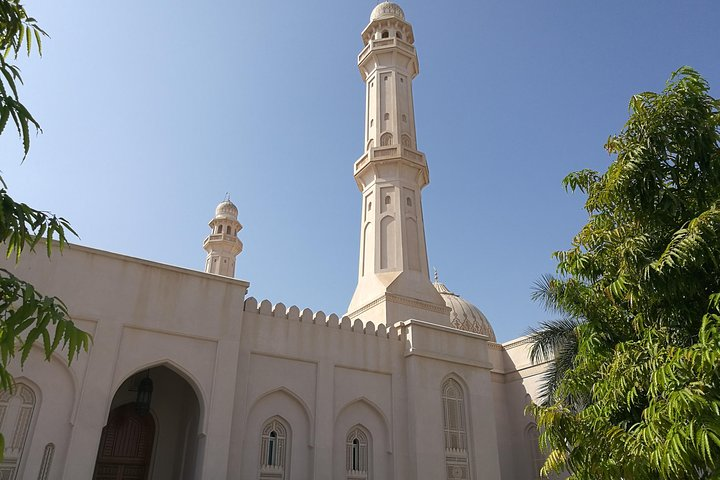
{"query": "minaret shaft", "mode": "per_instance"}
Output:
(393, 265)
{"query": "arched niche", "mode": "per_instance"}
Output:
(535, 458)
(283, 404)
(54, 375)
(364, 414)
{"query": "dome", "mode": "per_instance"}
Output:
(226, 209)
(387, 10)
(463, 314)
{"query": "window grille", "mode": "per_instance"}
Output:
(357, 446)
(456, 441)
(274, 450)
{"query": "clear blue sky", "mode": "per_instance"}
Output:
(153, 110)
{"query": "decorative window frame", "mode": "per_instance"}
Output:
(456, 438)
(22, 416)
(274, 450)
(358, 454)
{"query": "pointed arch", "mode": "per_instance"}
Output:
(376, 410)
(537, 459)
(60, 362)
(175, 408)
(183, 373)
(297, 399)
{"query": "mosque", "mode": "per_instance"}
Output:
(188, 378)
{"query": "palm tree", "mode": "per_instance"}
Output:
(554, 341)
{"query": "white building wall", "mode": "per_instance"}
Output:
(247, 362)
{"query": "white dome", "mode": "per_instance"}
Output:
(226, 209)
(387, 10)
(463, 314)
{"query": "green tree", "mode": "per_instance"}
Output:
(641, 282)
(27, 317)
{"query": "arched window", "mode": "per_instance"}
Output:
(274, 450)
(219, 229)
(16, 413)
(46, 461)
(386, 139)
(456, 441)
(227, 230)
(357, 462)
(385, 34)
(398, 35)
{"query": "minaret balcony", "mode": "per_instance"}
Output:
(391, 154)
(221, 237)
(385, 43)
(388, 52)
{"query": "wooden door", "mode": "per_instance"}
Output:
(125, 445)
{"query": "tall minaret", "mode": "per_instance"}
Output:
(222, 244)
(393, 277)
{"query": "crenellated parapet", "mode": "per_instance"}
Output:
(307, 317)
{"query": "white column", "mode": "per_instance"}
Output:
(216, 452)
(95, 397)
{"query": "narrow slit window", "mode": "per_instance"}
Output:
(356, 454)
(271, 449)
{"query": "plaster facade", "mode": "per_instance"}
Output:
(409, 385)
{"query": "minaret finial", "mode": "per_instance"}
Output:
(435, 275)
(227, 196)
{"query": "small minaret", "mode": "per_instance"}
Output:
(393, 277)
(222, 244)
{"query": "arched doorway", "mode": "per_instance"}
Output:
(159, 442)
